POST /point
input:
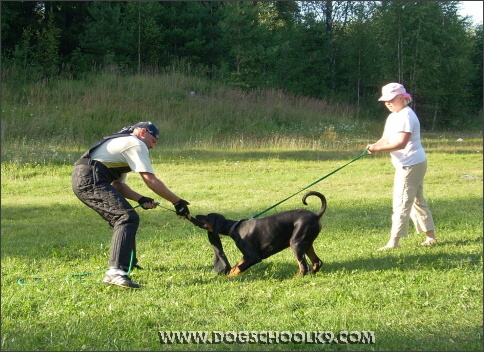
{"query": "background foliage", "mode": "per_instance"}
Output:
(254, 100)
(341, 51)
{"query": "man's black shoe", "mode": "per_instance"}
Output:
(120, 280)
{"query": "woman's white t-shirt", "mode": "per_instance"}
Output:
(405, 120)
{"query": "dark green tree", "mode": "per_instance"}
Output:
(308, 70)
(476, 93)
(45, 54)
(69, 17)
(145, 35)
(105, 39)
(245, 42)
(426, 48)
(280, 19)
(191, 33)
(16, 16)
(357, 56)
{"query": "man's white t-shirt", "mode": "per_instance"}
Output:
(405, 120)
(124, 151)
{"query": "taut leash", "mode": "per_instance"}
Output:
(41, 281)
(312, 184)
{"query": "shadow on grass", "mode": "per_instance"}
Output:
(467, 337)
(76, 236)
(404, 261)
(377, 261)
(437, 261)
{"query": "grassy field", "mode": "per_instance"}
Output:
(235, 153)
(412, 298)
(77, 112)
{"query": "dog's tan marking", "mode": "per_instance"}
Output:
(235, 269)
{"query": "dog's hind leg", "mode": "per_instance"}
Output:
(317, 263)
(299, 251)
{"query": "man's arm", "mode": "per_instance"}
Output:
(157, 186)
(181, 205)
(126, 191)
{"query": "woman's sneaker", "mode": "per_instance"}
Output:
(120, 280)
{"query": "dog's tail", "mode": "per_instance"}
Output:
(321, 211)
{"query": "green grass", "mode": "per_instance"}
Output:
(81, 111)
(235, 153)
(413, 298)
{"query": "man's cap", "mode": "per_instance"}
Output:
(150, 127)
(391, 90)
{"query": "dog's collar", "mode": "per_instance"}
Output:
(232, 228)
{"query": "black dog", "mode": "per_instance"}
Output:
(258, 239)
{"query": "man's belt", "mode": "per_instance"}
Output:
(85, 161)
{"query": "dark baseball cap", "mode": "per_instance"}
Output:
(150, 127)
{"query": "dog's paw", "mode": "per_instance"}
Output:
(317, 266)
(234, 271)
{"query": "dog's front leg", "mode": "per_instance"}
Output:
(235, 269)
(221, 264)
(244, 264)
(250, 255)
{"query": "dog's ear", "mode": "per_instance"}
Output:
(213, 225)
(212, 222)
(221, 264)
(216, 221)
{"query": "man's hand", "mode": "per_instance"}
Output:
(181, 208)
(147, 203)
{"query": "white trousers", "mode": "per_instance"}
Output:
(409, 202)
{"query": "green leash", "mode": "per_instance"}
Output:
(312, 184)
(71, 277)
(76, 277)
(80, 277)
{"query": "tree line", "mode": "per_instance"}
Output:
(341, 51)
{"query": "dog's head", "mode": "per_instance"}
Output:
(211, 222)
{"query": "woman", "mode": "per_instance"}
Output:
(401, 137)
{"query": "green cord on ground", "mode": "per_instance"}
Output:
(69, 277)
(21, 281)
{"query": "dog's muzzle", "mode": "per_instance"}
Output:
(196, 222)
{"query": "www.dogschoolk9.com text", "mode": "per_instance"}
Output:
(266, 337)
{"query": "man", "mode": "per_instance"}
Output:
(98, 180)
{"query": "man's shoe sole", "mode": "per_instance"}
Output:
(119, 281)
(123, 286)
